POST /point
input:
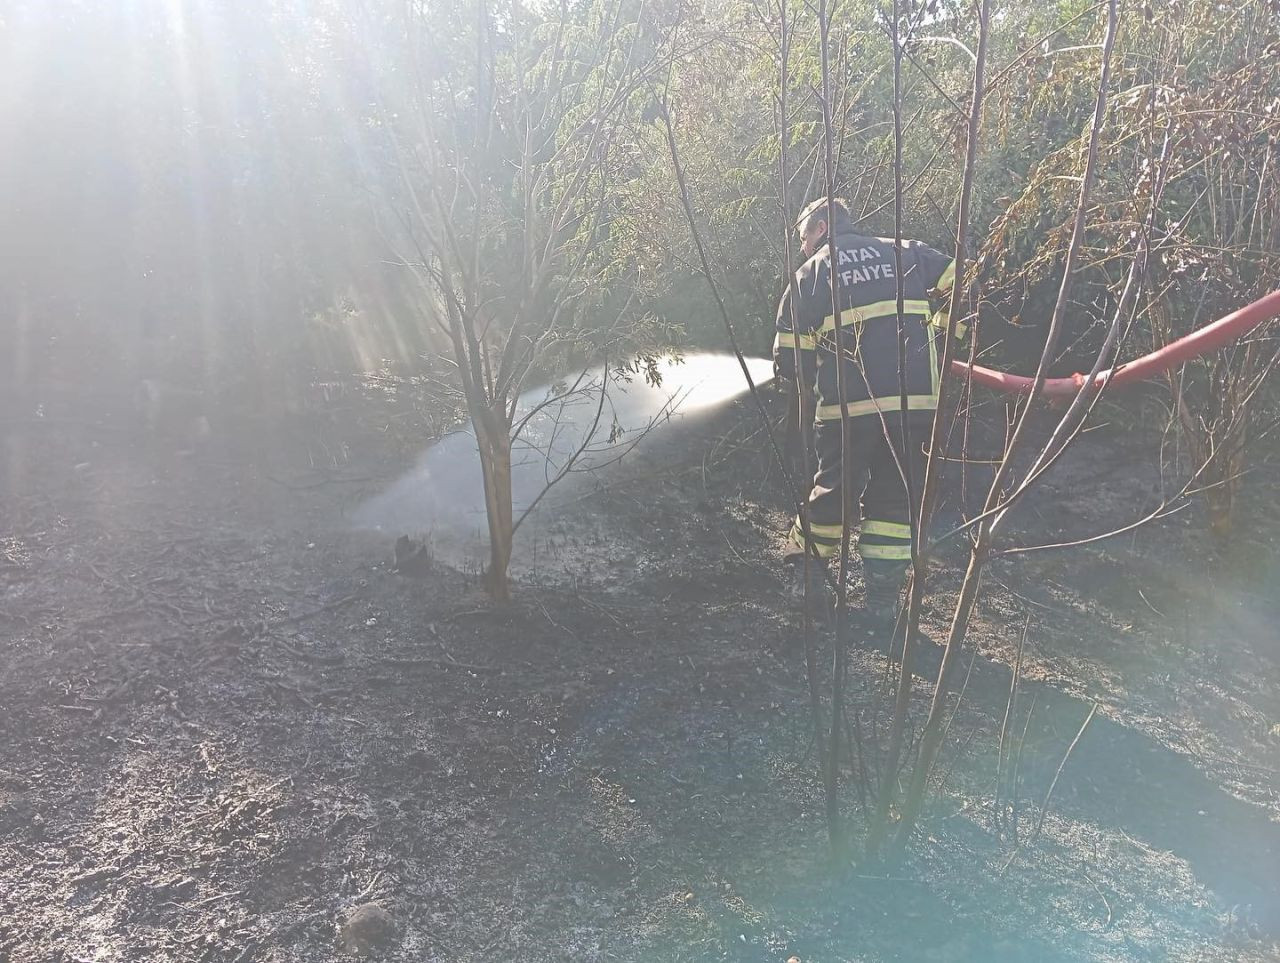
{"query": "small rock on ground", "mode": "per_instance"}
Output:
(365, 929)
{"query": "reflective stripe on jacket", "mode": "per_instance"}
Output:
(867, 281)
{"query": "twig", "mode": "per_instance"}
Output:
(963, 689)
(364, 893)
(1017, 764)
(94, 875)
(602, 610)
(554, 624)
(1008, 712)
(204, 902)
(1044, 806)
(1096, 888)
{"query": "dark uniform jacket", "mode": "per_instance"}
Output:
(866, 279)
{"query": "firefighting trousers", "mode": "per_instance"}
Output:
(871, 463)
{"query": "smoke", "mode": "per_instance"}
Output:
(570, 435)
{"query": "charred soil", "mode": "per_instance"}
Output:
(228, 729)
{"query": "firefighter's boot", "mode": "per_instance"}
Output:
(884, 580)
(811, 589)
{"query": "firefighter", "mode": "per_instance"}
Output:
(873, 459)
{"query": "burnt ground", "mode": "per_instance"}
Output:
(224, 721)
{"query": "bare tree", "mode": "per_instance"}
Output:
(998, 500)
(509, 161)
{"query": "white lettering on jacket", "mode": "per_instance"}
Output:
(868, 272)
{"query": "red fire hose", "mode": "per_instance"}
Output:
(1206, 339)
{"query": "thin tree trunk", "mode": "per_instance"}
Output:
(922, 549)
(835, 824)
(494, 442)
(803, 409)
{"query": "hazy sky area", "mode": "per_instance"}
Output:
(182, 189)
